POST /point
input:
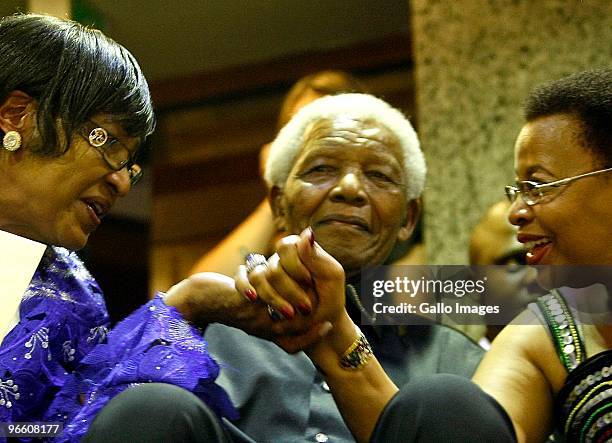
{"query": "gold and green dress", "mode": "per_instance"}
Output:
(583, 407)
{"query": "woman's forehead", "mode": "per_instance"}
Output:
(552, 142)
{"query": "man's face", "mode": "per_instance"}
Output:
(347, 183)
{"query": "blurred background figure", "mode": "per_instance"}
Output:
(313, 86)
(493, 240)
(258, 231)
(510, 284)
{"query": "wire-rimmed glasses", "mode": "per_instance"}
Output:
(116, 155)
(533, 192)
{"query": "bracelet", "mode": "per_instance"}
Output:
(358, 353)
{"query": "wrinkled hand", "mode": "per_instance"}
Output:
(208, 297)
(302, 282)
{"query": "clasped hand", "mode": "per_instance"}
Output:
(301, 281)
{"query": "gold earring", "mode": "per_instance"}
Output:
(11, 141)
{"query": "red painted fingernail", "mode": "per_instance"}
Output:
(250, 294)
(287, 312)
(311, 237)
(304, 309)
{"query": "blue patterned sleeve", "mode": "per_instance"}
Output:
(60, 363)
(62, 317)
(154, 344)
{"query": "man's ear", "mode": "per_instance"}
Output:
(278, 207)
(413, 212)
(14, 111)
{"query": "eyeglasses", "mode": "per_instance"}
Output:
(116, 155)
(534, 192)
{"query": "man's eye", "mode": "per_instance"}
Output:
(321, 169)
(377, 175)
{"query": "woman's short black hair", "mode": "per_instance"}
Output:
(587, 95)
(73, 72)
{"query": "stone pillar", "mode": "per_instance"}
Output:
(475, 61)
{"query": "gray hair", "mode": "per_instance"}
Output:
(287, 145)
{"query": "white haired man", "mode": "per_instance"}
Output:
(348, 171)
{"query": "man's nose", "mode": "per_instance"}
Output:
(349, 189)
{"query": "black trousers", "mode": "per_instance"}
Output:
(443, 408)
(438, 408)
(156, 413)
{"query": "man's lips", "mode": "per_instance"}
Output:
(537, 247)
(345, 219)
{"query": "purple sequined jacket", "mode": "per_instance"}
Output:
(62, 364)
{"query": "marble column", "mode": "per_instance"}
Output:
(475, 61)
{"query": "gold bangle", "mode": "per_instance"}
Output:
(358, 353)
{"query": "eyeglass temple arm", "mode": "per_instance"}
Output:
(571, 179)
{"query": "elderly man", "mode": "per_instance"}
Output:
(350, 168)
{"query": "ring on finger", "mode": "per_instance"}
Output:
(253, 260)
(274, 314)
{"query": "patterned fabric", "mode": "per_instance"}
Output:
(564, 329)
(583, 406)
(61, 363)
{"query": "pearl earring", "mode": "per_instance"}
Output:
(11, 141)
